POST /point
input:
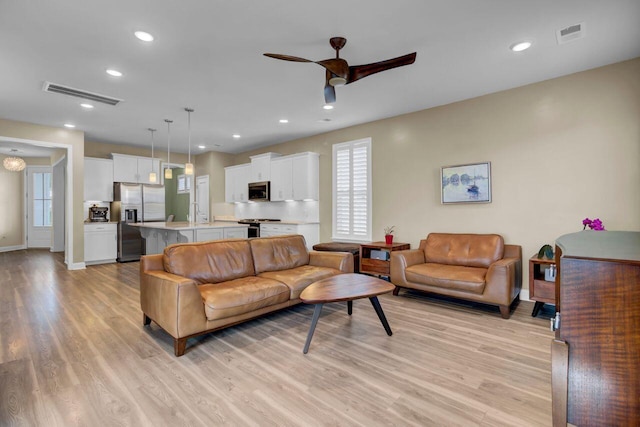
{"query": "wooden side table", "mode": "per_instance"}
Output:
(375, 257)
(540, 290)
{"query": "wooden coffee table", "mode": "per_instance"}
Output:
(345, 287)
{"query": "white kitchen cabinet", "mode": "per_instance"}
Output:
(306, 176)
(135, 169)
(261, 167)
(235, 232)
(98, 179)
(295, 177)
(282, 179)
(100, 243)
(205, 234)
(311, 232)
(236, 183)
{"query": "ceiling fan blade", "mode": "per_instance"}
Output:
(358, 72)
(329, 91)
(287, 57)
(337, 66)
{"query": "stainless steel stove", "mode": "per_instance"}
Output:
(254, 225)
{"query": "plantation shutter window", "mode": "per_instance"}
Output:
(352, 191)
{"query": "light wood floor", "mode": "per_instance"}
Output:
(73, 351)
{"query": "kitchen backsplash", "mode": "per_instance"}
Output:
(287, 211)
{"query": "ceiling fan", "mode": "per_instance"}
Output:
(339, 73)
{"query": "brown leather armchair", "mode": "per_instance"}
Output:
(474, 267)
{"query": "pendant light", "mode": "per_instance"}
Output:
(14, 164)
(168, 173)
(188, 168)
(153, 178)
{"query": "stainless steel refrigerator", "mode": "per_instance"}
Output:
(135, 203)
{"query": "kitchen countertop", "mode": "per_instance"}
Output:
(184, 225)
(288, 222)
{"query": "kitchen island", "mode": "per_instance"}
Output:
(159, 235)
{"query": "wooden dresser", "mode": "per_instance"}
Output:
(596, 353)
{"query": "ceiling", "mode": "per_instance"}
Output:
(207, 55)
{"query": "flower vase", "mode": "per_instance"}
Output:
(388, 239)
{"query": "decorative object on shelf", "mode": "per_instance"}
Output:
(546, 251)
(168, 173)
(153, 178)
(466, 183)
(593, 224)
(388, 235)
(14, 164)
(188, 168)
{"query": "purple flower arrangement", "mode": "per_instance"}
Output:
(594, 224)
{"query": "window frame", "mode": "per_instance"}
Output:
(351, 236)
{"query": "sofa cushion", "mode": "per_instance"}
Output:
(279, 253)
(471, 250)
(300, 277)
(210, 262)
(240, 296)
(467, 279)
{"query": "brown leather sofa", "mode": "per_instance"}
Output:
(474, 267)
(196, 288)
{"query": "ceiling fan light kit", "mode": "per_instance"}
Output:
(339, 72)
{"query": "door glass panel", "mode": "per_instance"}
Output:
(42, 192)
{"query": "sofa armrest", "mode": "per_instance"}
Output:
(342, 261)
(173, 302)
(504, 280)
(400, 260)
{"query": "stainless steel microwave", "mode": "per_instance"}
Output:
(260, 191)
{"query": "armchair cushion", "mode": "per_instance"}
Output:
(472, 250)
(468, 279)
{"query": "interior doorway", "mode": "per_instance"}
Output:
(202, 199)
(39, 212)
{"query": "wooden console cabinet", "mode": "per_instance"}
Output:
(595, 357)
(380, 266)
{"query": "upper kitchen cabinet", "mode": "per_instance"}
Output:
(261, 167)
(236, 183)
(135, 169)
(98, 179)
(295, 177)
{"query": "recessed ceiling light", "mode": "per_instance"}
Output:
(144, 36)
(69, 125)
(114, 73)
(87, 106)
(520, 46)
(328, 107)
(202, 147)
(236, 136)
(284, 121)
(217, 145)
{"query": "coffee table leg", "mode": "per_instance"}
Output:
(349, 307)
(314, 321)
(380, 313)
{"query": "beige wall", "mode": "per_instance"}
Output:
(213, 164)
(103, 150)
(11, 210)
(560, 151)
(28, 132)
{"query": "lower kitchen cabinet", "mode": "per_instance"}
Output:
(100, 243)
(311, 232)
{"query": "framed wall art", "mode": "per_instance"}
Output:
(466, 183)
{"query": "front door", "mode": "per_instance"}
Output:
(202, 198)
(39, 207)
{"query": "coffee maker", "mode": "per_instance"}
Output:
(98, 214)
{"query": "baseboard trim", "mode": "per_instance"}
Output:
(12, 248)
(524, 294)
(76, 266)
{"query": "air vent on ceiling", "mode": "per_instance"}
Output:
(571, 33)
(90, 96)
